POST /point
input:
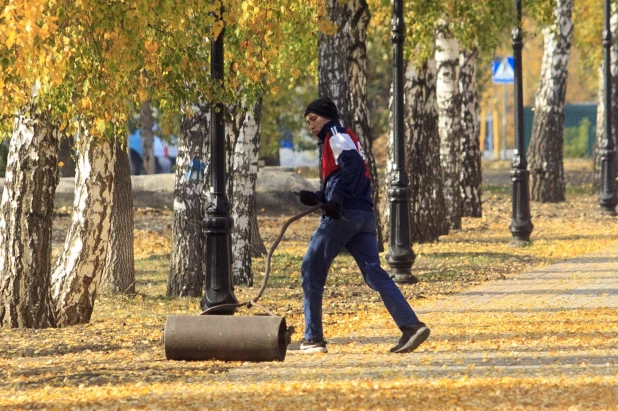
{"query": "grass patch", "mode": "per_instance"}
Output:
(496, 189)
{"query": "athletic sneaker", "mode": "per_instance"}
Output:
(311, 347)
(412, 337)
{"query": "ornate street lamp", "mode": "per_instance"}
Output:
(400, 256)
(218, 224)
(521, 225)
(607, 197)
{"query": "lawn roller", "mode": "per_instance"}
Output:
(228, 337)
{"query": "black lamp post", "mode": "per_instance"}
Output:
(400, 256)
(218, 224)
(607, 197)
(521, 225)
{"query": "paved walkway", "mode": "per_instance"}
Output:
(586, 282)
(558, 323)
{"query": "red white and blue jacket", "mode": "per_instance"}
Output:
(345, 175)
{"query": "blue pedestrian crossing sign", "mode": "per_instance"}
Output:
(503, 72)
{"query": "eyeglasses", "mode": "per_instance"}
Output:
(312, 118)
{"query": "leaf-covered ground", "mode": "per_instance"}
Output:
(480, 361)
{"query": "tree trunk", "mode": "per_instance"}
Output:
(66, 159)
(600, 132)
(243, 172)
(427, 205)
(119, 274)
(186, 277)
(389, 174)
(545, 153)
(80, 266)
(449, 120)
(147, 123)
(361, 122)
(26, 222)
(334, 60)
(258, 249)
(471, 176)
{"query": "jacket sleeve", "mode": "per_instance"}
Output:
(352, 168)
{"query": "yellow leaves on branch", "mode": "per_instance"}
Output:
(274, 40)
(24, 24)
(62, 44)
(133, 51)
(25, 20)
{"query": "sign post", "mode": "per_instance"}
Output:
(503, 72)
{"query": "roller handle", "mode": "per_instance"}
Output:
(253, 302)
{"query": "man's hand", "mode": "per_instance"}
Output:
(308, 198)
(332, 209)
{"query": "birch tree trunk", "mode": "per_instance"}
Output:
(449, 120)
(361, 122)
(427, 205)
(547, 182)
(334, 60)
(66, 160)
(119, 273)
(600, 131)
(186, 278)
(471, 176)
(147, 122)
(26, 222)
(243, 172)
(242, 147)
(389, 174)
(80, 266)
(258, 249)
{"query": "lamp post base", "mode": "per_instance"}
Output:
(218, 287)
(402, 275)
(404, 279)
(519, 242)
(608, 211)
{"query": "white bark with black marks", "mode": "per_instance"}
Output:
(147, 123)
(427, 205)
(243, 172)
(26, 222)
(80, 266)
(547, 183)
(449, 119)
(361, 121)
(334, 60)
(186, 278)
(119, 273)
(471, 176)
(389, 174)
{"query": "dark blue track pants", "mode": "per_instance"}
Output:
(357, 233)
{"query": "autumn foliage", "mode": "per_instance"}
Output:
(100, 60)
(472, 360)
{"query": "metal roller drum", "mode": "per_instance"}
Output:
(225, 338)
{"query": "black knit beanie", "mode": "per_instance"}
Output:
(324, 107)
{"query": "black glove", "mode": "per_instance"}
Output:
(308, 198)
(332, 209)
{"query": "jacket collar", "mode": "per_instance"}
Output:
(326, 128)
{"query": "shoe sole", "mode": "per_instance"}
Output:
(414, 341)
(313, 350)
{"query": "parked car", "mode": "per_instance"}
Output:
(165, 153)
